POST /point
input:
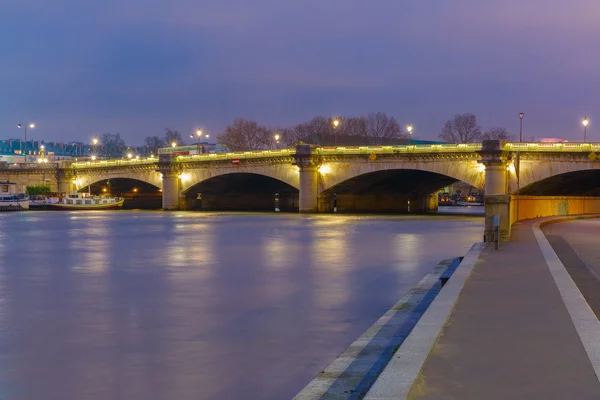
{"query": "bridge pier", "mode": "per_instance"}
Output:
(170, 193)
(171, 187)
(424, 204)
(496, 199)
(308, 161)
(64, 181)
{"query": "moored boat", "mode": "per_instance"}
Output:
(82, 201)
(10, 200)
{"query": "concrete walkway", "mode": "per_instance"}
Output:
(510, 335)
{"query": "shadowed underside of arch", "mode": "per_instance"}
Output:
(577, 183)
(401, 181)
(242, 192)
(398, 191)
(138, 194)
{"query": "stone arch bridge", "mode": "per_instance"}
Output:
(377, 178)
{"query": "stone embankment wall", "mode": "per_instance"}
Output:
(528, 207)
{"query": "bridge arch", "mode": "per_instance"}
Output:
(286, 173)
(574, 183)
(538, 175)
(83, 178)
(239, 190)
(386, 190)
(465, 170)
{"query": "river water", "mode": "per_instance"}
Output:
(152, 305)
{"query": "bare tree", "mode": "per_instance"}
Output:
(497, 133)
(173, 136)
(350, 129)
(318, 130)
(244, 134)
(463, 128)
(112, 145)
(152, 144)
(381, 129)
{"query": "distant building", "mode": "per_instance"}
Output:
(17, 151)
(548, 140)
(191, 149)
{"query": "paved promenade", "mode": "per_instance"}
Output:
(520, 329)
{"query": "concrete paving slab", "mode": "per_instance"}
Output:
(400, 374)
(510, 335)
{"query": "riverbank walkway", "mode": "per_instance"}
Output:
(519, 328)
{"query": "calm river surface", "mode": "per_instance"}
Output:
(152, 305)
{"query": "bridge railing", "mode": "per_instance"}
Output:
(238, 155)
(28, 166)
(340, 150)
(419, 148)
(553, 147)
(114, 163)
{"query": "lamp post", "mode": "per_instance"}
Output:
(521, 115)
(585, 123)
(94, 148)
(409, 128)
(277, 140)
(199, 137)
(336, 124)
(173, 144)
(25, 126)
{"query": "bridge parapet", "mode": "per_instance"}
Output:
(114, 163)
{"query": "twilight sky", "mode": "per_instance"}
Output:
(81, 67)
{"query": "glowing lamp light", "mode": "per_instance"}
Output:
(184, 177)
(481, 167)
(95, 141)
(336, 123)
(585, 121)
(409, 128)
(129, 155)
(93, 158)
(173, 144)
(135, 189)
(511, 168)
(325, 169)
(104, 189)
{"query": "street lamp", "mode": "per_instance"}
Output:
(199, 136)
(336, 124)
(94, 148)
(521, 115)
(585, 123)
(409, 128)
(93, 158)
(25, 126)
(277, 140)
(129, 155)
(173, 144)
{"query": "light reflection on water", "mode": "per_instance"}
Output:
(144, 305)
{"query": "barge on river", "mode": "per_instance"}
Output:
(78, 201)
(10, 200)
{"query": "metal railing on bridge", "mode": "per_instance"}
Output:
(342, 150)
(553, 147)
(114, 163)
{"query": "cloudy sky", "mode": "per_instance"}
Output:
(80, 67)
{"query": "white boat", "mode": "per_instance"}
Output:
(84, 201)
(10, 200)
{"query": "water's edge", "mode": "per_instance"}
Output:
(353, 372)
